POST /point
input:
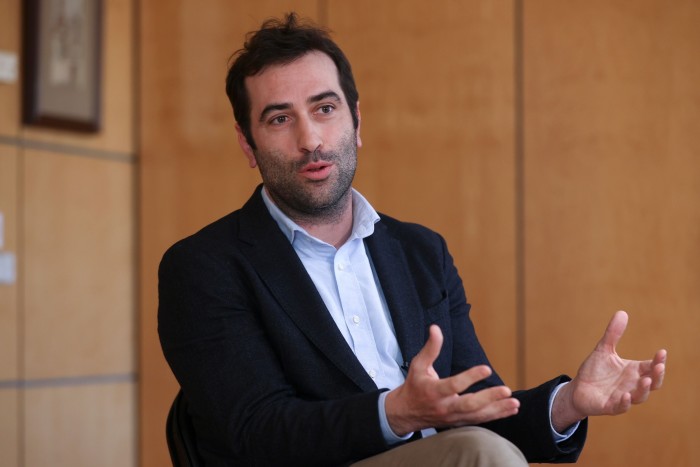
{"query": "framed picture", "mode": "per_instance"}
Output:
(61, 75)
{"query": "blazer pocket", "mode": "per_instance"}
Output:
(438, 312)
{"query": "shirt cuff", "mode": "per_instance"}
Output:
(389, 436)
(560, 437)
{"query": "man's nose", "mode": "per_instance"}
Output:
(309, 137)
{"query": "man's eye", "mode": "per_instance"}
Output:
(279, 120)
(326, 109)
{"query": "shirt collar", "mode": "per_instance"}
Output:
(363, 218)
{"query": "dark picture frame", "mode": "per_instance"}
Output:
(62, 42)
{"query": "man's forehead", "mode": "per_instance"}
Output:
(304, 77)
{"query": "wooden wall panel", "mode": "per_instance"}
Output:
(9, 316)
(192, 171)
(9, 427)
(78, 266)
(96, 426)
(67, 325)
(10, 43)
(612, 216)
(9, 312)
(437, 102)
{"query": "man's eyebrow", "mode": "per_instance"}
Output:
(323, 96)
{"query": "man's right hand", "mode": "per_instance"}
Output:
(425, 400)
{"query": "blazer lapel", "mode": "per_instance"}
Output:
(399, 290)
(283, 273)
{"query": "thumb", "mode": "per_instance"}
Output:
(430, 351)
(614, 331)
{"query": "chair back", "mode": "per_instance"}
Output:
(179, 432)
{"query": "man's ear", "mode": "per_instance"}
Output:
(247, 150)
(359, 121)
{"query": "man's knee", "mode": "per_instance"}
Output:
(459, 447)
(478, 447)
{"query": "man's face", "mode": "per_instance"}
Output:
(303, 130)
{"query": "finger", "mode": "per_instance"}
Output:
(500, 409)
(624, 404)
(647, 366)
(654, 368)
(460, 382)
(430, 351)
(475, 400)
(657, 376)
(641, 393)
(614, 331)
(486, 405)
(660, 357)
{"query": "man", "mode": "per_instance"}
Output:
(306, 329)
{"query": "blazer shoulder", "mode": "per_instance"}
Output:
(409, 231)
(224, 238)
(216, 237)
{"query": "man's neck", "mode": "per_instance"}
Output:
(333, 226)
(335, 231)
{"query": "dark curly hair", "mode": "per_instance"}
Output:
(280, 42)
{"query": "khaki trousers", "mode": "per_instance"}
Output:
(459, 447)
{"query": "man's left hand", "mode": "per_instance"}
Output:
(607, 384)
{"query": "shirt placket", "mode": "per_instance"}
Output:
(355, 312)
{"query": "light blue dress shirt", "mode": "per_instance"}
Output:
(348, 284)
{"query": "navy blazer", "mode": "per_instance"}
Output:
(269, 377)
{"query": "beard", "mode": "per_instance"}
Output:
(309, 201)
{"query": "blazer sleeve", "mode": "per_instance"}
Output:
(244, 409)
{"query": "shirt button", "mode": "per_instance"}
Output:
(356, 319)
(372, 374)
(340, 266)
